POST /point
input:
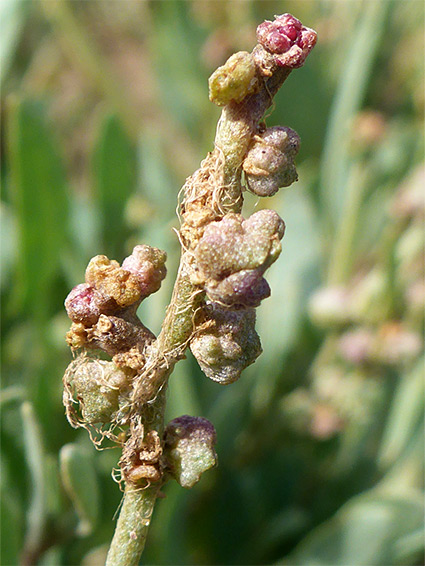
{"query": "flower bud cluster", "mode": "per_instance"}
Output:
(231, 259)
(233, 255)
(269, 163)
(103, 308)
(287, 39)
(226, 343)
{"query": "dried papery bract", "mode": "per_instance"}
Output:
(220, 282)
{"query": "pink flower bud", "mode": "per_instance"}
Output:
(245, 288)
(148, 265)
(287, 39)
(84, 304)
(234, 253)
(269, 163)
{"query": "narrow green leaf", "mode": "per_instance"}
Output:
(12, 19)
(114, 169)
(405, 414)
(81, 484)
(369, 529)
(35, 457)
(40, 201)
(361, 52)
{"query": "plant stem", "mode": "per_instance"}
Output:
(132, 526)
(238, 123)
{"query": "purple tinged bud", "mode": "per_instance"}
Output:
(269, 164)
(189, 448)
(287, 39)
(148, 265)
(84, 304)
(233, 243)
(234, 253)
(245, 288)
(226, 343)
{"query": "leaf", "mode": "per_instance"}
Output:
(114, 167)
(12, 19)
(38, 192)
(81, 484)
(8, 240)
(406, 413)
(358, 64)
(34, 453)
(368, 530)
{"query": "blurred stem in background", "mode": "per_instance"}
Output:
(85, 55)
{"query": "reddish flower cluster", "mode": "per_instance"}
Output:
(287, 39)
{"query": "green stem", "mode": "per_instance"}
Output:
(237, 125)
(132, 526)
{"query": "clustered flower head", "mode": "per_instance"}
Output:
(226, 343)
(233, 255)
(103, 309)
(99, 387)
(287, 39)
(231, 259)
(269, 164)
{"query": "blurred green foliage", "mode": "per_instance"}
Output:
(320, 444)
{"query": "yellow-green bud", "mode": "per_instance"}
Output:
(234, 80)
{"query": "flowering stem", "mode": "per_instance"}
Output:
(103, 309)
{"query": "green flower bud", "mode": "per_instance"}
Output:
(226, 343)
(269, 164)
(234, 80)
(189, 448)
(98, 388)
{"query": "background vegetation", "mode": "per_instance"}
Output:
(105, 113)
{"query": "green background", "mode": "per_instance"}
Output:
(105, 112)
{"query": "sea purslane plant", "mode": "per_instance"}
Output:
(219, 284)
